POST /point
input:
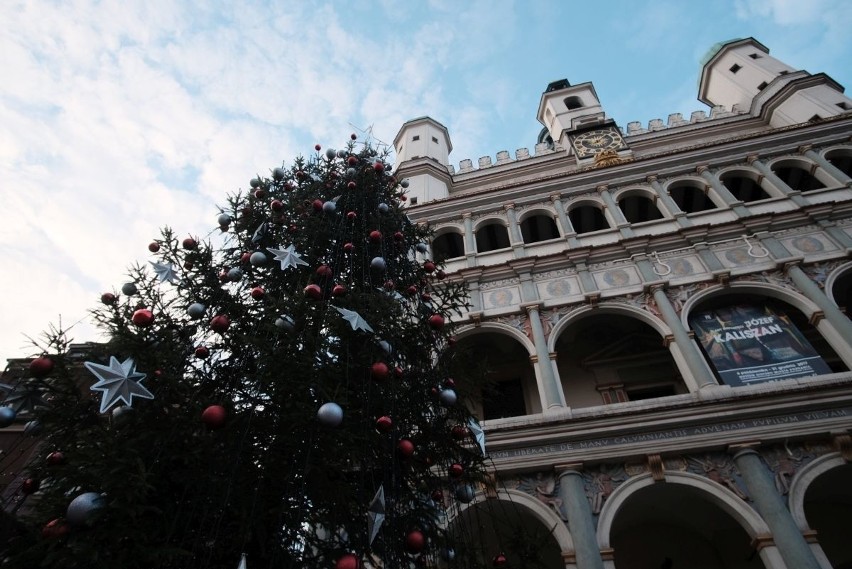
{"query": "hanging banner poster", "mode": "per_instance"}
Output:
(755, 344)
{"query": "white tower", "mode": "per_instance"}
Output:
(564, 108)
(422, 153)
(741, 72)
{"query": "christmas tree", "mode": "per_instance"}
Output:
(281, 395)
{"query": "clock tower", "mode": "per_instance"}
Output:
(573, 116)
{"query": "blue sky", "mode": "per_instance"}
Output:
(119, 117)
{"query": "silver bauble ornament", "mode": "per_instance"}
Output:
(404, 183)
(448, 397)
(341, 153)
(330, 414)
(278, 174)
(386, 347)
(378, 263)
(33, 428)
(128, 289)
(196, 310)
(329, 207)
(121, 414)
(82, 507)
(254, 183)
(224, 219)
(330, 153)
(350, 172)
(258, 258)
(384, 208)
(421, 247)
(448, 554)
(7, 416)
(285, 323)
(235, 274)
(465, 493)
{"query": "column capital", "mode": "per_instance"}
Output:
(555, 197)
(702, 168)
(752, 158)
(568, 468)
(602, 188)
(843, 443)
(741, 449)
(530, 306)
(509, 205)
(467, 215)
(652, 178)
(804, 148)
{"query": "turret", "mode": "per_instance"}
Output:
(565, 108)
(422, 154)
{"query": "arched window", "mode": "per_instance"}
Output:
(797, 177)
(447, 246)
(638, 208)
(491, 237)
(743, 187)
(573, 102)
(842, 160)
(538, 228)
(586, 218)
(690, 198)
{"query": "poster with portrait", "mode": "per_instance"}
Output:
(755, 344)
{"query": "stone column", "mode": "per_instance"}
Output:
(691, 354)
(670, 204)
(550, 386)
(724, 193)
(771, 507)
(829, 168)
(516, 239)
(578, 512)
(469, 240)
(567, 228)
(767, 173)
(617, 215)
(833, 314)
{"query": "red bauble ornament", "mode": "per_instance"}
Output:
(259, 194)
(348, 247)
(375, 236)
(190, 243)
(450, 383)
(436, 321)
(429, 266)
(352, 160)
(351, 215)
(438, 496)
(202, 352)
(351, 185)
(317, 204)
(142, 318)
(384, 424)
(379, 371)
(348, 561)
(108, 298)
(402, 197)
(313, 291)
(188, 265)
(426, 297)
(411, 291)
(456, 470)
(55, 458)
(389, 285)
(398, 371)
(379, 166)
(415, 541)
(223, 275)
(500, 560)
(245, 258)
(30, 486)
(398, 236)
(153, 246)
(405, 448)
(55, 529)
(214, 417)
(338, 290)
(220, 323)
(459, 432)
(257, 293)
(300, 174)
(41, 366)
(324, 271)
(441, 275)
(276, 205)
(317, 147)
(353, 136)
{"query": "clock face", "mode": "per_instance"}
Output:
(590, 143)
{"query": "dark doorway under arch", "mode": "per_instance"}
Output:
(828, 509)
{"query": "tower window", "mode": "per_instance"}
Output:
(815, 118)
(755, 56)
(573, 103)
(844, 105)
(785, 72)
(412, 201)
(415, 137)
(435, 140)
(735, 68)
(762, 86)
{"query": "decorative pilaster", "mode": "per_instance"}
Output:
(694, 360)
(581, 524)
(829, 168)
(724, 193)
(770, 505)
(770, 176)
(551, 389)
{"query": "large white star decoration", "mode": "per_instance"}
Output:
(24, 397)
(354, 319)
(478, 434)
(119, 381)
(376, 514)
(288, 257)
(165, 272)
